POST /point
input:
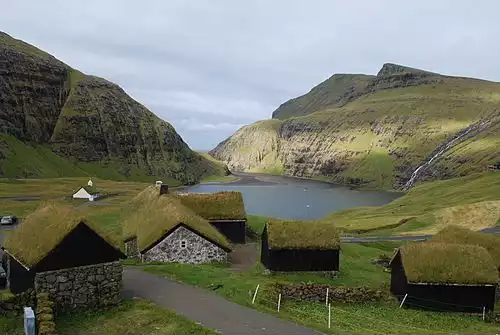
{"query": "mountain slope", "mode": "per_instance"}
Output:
(378, 133)
(88, 122)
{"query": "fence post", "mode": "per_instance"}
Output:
(279, 302)
(402, 302)
(29, 321)
(326, 301)
(255, 294)
(484, 313)
(329, 316)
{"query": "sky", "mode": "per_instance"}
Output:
(210, 67)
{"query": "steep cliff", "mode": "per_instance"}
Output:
(377, 130)
(87, 121)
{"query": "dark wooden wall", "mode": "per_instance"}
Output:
(234, 230)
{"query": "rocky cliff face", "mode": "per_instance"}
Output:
(379, 133)
(87, 119)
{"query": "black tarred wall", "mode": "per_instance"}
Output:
(298, 259)
(234, 230)
(19, 279)
(398, 277)
(470, 299)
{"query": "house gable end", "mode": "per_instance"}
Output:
(82, 246)
(184, 245)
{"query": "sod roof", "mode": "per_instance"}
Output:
(152, 216)
(445, 263)
(216, 206)
(302, 235)
(42, 230)
(459, 235)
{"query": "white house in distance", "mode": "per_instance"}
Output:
(87, 192)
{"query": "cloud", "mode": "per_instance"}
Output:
(221, 64)
(193, 124)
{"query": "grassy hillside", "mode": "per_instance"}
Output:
(56, 121)
(472, 202)
(376, 136)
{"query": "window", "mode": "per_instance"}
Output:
(183, 244)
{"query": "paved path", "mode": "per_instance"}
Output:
(205, 307)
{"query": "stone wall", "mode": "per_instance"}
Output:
(184, 246)
(317, 292)
(131, 248)
(84, 287)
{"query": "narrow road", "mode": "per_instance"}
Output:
(205, 307)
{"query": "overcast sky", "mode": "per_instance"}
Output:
(209, 67)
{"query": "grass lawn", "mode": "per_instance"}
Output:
(11, 324)
(133, 316)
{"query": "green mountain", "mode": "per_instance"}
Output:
(389, 131)
(56, 121)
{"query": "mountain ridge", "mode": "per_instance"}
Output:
(86, 120)
(376, 132)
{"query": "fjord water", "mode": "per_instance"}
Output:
(291, 198)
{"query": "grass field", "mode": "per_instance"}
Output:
(472, 201)
(132, 316)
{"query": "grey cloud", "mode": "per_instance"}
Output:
(209, 66)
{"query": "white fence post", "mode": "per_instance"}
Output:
(29, 321)
(329, 316)
(255, 294)
(279, 302)
(326, 301)
(484, 313)
(402, 302)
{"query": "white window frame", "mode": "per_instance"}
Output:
(183, 244)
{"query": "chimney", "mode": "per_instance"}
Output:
(163, 189)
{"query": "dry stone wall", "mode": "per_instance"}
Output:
(131, 248)
(317, 292)
(184, 246)
(84, 287)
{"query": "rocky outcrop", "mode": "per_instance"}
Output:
(87, 119)
(378, 135)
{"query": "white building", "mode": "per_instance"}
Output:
(85, 193)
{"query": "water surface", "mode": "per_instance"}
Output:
(292, 198)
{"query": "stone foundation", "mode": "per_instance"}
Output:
(84, 287)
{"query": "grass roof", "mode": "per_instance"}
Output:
(42, 231)
(459, 235)
(152, 216)
(216, 206)
(448, 263)
(302, 234)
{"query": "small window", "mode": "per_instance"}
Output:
(183, 244)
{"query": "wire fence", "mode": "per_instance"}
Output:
(331, 316)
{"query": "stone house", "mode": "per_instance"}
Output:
(57, 251)
(161, 229)
(223, 210)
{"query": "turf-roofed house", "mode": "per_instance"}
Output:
(224, 210)
(55, 250)
(161, 229)
(459, 235)
(444, 277)
(300, 246)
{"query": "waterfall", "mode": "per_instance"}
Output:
(445, 147)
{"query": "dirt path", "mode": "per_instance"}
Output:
(205, 307)
(244, 256)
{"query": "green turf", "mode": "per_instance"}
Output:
(134, 316)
